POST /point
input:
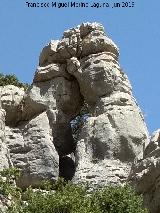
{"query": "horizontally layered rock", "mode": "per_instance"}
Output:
(82, 66)
(115, 133)
(145, 174)
(114, 136)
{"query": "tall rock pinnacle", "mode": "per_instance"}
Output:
(81, 67)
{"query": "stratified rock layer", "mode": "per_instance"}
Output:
(82, 66)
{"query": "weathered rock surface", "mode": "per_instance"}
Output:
(4, 154)
(96, 170)
(116, 130)
(145, 174)
(82, 66)
(11, 98)
(32, 151)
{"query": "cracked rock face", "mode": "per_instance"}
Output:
(82, 66)
(11, 98)
(32, 151)
(145, 174)
(4, 155)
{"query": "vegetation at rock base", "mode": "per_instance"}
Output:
(11, 79)
(63, 197)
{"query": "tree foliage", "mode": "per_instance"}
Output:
(63, 197)
(11, 79)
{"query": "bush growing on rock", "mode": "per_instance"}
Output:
(65, 197)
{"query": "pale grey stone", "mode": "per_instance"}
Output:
(49, 53)
(82, 66)
(51, 71)
(116, 129)
(84, 63)
(4, 154)
(57, 93)
(96, 42)
(153, 145)
(32, 151)
(145, 174)
(98, 75)
(11, 98)
(70, 45)
(87, 28)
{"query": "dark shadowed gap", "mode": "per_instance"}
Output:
(67, 166)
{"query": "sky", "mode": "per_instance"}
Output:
(24, 31)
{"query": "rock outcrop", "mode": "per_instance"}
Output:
(81, 67)
(11, 98)
(32, 151)
(145, 174)
(4, 159)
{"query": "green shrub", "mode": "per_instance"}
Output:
(118, 200)
(66, 199)
(11, 80)
(63, 197)
(8, 189)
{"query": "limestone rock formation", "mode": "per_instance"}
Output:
(145, 174)
(81, 67)
(115, 133)
(4, 155)
(11, 101)
(32, 151)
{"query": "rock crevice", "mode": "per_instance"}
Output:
(81, 67)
